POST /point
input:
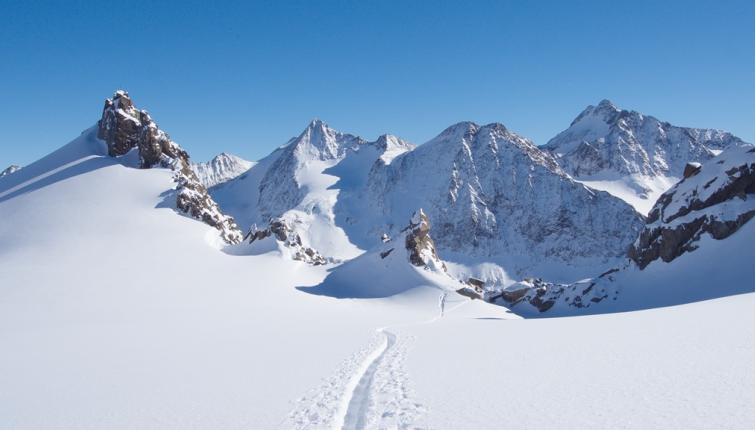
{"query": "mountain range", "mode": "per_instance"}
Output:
(344, 282)
(502, 209)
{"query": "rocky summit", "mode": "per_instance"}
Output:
(124, 128)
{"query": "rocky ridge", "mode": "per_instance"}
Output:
(124, 128)
(280, 230)
(716, 198)
(605, 138)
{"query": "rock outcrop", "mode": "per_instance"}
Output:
(284, 233)
(717, 199)
(10, 169)
(543, 295)
(419, 244)
(124, 128)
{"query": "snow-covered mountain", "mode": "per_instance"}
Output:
(492, 195)
(10, 169)
(220, 169)
(696, 245)
(300, 183)
(633, 156)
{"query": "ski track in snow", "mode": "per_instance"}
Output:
(370, 390)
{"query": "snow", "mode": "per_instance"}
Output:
(222, 168)
(686, 367)
(633, 156)
(117, 313)
(640, 191)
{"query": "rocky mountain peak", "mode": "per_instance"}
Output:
(124, 128)
(632, 155)
(319, 141)
(604, 111)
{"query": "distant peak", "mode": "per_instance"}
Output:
(461, 127)
(317, 123)
(605, 110)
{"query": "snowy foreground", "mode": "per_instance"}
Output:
(117, 313)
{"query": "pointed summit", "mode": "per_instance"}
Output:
(319, 141)
(641, 154)
(605, 111)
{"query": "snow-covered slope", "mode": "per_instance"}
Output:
(10, 169)
(633, 156)
(494, 196)
(220, 169)
(116, 313)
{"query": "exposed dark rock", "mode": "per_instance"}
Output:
(419, 244)
(691, 169)
(284, 233)
(477, 284)
(690, 209)
(125, 128)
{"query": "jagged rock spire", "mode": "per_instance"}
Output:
(123, 127)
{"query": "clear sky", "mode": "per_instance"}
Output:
(244, 77)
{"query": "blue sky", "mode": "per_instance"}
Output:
(244, 77)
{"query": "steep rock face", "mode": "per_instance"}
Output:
(10, 169)
(606, 138)
(283, 232)
(493, 194)
(717, 198)
(222, 168)
(125, 128)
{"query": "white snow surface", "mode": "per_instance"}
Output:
(222, 168)
(117, 313)
(640, 191)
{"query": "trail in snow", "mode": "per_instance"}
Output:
(356, 413)
(370, 390)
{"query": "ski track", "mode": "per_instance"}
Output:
(370, 390)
